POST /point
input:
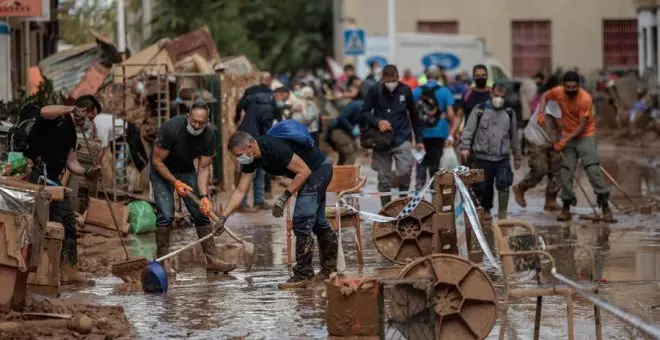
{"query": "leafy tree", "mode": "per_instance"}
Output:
(77, 17)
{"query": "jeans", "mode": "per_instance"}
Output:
(309, 209)
(62, 212)
(496, 173)
(258, 184)
(164, 197)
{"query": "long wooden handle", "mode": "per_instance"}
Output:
(616, 184)
(214, 217)
(107, 198)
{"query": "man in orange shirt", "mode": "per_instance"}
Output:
(578, 142)
(408, 79)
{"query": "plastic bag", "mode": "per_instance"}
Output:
(449, 160)
(18, 162)
(535, 133)
(141, 217)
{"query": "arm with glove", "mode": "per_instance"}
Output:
(585, 113)
(302, 171)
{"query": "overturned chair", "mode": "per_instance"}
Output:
(519, 251)
(345, 181)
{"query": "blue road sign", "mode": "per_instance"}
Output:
(354, 41)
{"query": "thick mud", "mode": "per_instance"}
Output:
(249, 305)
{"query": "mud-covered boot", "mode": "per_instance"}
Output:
(603, 202)
(519, 195)
(384, 200)
(70, 275)
(502, 204)
(163, 248)
(213, 263)
(327, 254)
(565, 214)
(303, 272)
(551, 203)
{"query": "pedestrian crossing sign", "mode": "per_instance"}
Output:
(354, 41)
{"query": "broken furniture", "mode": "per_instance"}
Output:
(24, 211)
(352, 306)
(345, 181)
(519, 251)
(463, 297)
(46, 280)
(430, 228)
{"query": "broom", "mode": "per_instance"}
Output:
(130, 269)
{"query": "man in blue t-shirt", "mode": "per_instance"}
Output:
(435, 106)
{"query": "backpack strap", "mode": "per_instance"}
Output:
(481, 107)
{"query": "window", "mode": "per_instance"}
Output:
(443, 27)
(620, 42)
(531, 47)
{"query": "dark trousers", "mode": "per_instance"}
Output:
(431, 161)
(62, 212)
(496, 173)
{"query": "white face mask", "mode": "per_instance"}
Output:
(391, 86)
(244, 159)
(498, 102)
(192, 131)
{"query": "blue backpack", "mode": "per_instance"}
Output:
(291, 130)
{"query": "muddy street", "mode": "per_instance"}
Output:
(249, 305)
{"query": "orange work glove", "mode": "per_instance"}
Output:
(540, 119)
(182, 188)
(205, 206)
(560, 145)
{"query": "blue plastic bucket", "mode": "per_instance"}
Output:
(154, 278)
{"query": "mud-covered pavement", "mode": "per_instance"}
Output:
(249, 305)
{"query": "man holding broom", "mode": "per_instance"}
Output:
(180, 141)
(51, 147)
(578, 142)
(287, 149)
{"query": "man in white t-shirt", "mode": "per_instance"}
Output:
(103, 131)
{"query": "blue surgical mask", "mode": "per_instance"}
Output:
(244, 159)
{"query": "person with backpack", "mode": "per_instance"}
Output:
(288, 150)
(435, 107)
(386, 111)
(180, 141)
(47, 136)
(491, 137)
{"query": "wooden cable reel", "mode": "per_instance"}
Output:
(464, 299)
(407, 239)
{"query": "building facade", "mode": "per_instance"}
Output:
(648, 20)
(524, 35)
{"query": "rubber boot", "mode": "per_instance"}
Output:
(70, 275)
(163, 248)
(327, 254)
(603, 202)
(551, 203)
(502, 204)
(213, 263)
(519, 195)
(565, 214)
(303, 272)
(384, 200)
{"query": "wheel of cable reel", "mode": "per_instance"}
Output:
(464, 301)
(407, 239)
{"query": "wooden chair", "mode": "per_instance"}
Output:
(345, 180)
(521, 251)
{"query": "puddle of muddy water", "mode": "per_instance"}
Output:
(249, 305)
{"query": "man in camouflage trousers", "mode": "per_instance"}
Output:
(543, 161)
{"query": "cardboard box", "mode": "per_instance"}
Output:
(46, 280)
(98, 214)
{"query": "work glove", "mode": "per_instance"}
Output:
(220, 225)
(205, 206)
(94, 173)
(280, 203)
(181, 188)
(560, 145)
